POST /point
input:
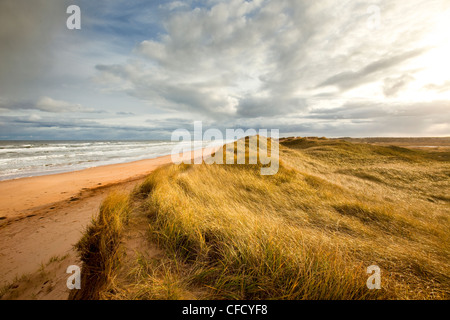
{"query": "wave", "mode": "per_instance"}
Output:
(30, 158)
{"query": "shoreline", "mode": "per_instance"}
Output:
(44, 216)
(24, 194)
(18, 196)
(81, 161)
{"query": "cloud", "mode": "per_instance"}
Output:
(121, 113)
(394, 85)
(350, 79)
(45, 104)
(217, 69)
(174, 5)
(27, 30)
(251, 59)
(266, 107)
(50, 105)
(441, 87)
(381, 112)
(70, 128)
(311, 66)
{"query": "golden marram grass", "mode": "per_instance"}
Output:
(308, 232)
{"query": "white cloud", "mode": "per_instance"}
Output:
(51, 105)
(252, 59)
(45, 104)
(174, 5)
(300, 65)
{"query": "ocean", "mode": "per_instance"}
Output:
(33, 158)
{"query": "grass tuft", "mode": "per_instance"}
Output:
(99, 246)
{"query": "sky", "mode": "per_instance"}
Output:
(141, 69)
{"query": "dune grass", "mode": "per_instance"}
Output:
(308, 232)
(99, 246)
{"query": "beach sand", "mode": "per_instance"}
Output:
(43, 217)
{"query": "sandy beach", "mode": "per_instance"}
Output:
(44, 216)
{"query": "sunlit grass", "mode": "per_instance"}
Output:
(99, 246)
(308, 232)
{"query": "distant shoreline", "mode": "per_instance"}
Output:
(23, 159)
